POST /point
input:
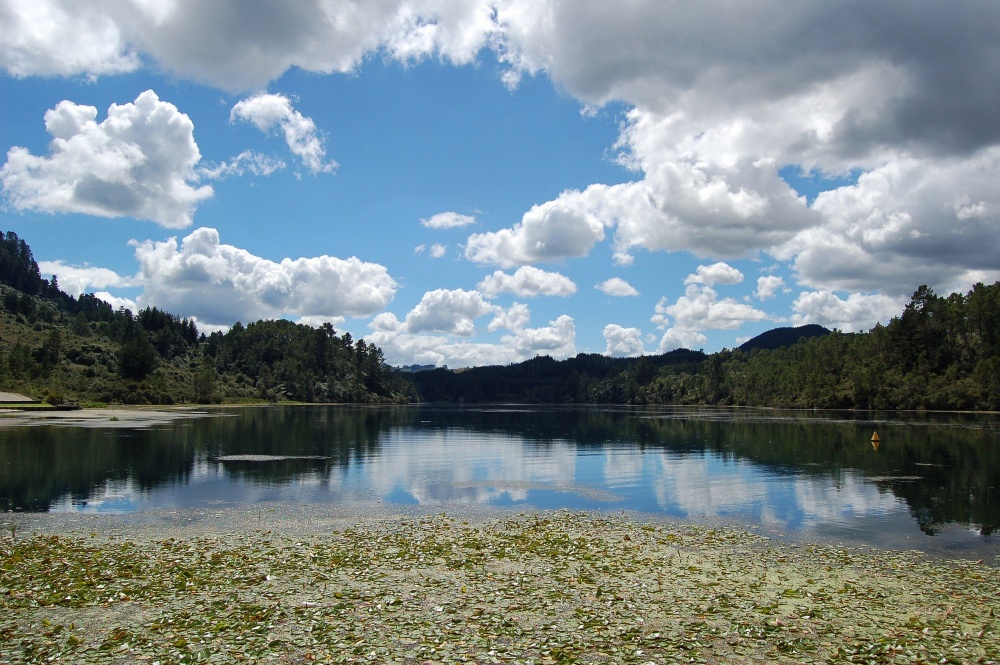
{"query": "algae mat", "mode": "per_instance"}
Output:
(536, 588)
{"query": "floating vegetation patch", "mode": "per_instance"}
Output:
(887, 479)
(542, 588)
(264, 458)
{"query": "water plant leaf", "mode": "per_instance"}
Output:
(554, 587)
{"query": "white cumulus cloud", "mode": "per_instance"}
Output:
(558, 340)
(623, 342)
(717, 273)
(318, 320)
(232, 45)
(514, 317)
(220, 284)
(908, 222)
(439, 329)
(268, 111)
(618, 287)
(563, 228)
(768, 285)
(527, 282)
(675, 338)
(138, 162)
(859, 312)
(76, 280)
(701, 309)
(722, 98)
(448, 220)
(62, 39)
(120, 303)
(449, 311)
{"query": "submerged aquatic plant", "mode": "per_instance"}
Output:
(542, 588)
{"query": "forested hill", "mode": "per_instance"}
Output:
(59, 348)
(587, 378)
(779, 337)
(939, 353)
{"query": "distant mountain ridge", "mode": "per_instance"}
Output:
(779, 337)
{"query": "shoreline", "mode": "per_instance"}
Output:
(291, 520)
(357, 584)
(142, 416)
(119, 416)
(88, 412)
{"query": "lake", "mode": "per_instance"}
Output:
(932, 484)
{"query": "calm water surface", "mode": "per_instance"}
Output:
(933, 484)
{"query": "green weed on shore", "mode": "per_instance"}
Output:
(545, 588)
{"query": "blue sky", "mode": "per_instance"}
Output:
(479, 182)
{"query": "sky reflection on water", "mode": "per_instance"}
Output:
(932, 484)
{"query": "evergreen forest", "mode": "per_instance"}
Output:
(57, 348)
(940, 353)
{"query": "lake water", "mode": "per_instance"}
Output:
(933, 483)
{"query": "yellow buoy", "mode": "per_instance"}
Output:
(875, 440)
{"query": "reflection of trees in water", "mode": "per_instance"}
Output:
(958, 467)
(956, 457)
(40, 465)
(958, 464)
(337, 434)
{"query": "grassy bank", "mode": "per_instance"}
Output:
(538, 588)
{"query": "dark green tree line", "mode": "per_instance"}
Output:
(55, 344)
(281, 358)
(940, 353)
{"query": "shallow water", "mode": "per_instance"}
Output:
(933, 484)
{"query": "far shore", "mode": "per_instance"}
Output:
(143, 415)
